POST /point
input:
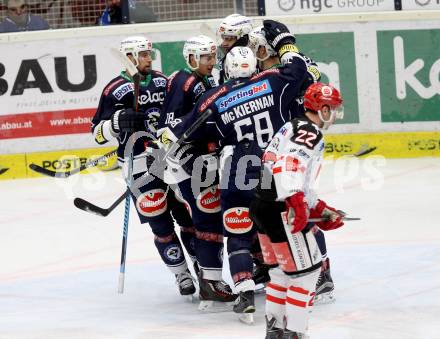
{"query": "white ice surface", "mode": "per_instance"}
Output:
(59, 266)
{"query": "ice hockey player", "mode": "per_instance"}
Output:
(268, 58)
(184, 89)
(232, 32)
(284, 201)
(115, 118)
(247, 110)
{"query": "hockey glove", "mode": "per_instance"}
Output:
(127, 120)
(279, 37)
(297, 212)
(155, 161)
(185, 157)
(333, 219)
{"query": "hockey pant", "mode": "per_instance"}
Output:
(295, 262)
(158, 206)
(203, 202)
(239, 177)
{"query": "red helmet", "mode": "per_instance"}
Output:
(318, 95)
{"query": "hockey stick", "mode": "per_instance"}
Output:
(326, 219)
(365, 149)
(132, 69)
(88, 164)
(3, 170)
(89, 207)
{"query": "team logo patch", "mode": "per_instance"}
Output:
(173, 253)
(326, 91)
(159, 82)
(283, 130)
(292, 164)
(208, 200)
(199, 89)
(236, 220)
(152, 203)
(153, 118)
(243, 94)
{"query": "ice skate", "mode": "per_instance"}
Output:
(245, 306)
(325, 286)
(273, 332)
(215, 296)
(185, 281)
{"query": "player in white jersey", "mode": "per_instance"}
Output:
(283, 204)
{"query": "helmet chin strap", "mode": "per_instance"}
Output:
(330, 121)
(189, 64)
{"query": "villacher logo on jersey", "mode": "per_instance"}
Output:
(255, 90)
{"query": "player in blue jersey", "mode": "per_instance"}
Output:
(232, 32)
(115, 118)
(184, 89)
(247, 111)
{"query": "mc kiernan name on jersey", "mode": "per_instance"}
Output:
(247, 108)
(243, 94)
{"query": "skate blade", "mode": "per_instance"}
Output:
(324, 298)
(211, 306)
(246, 318)
(191, 298)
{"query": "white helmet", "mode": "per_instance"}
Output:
(235, 25)
(198, 46)
(135, 44)
(240, 62)
(257, 39)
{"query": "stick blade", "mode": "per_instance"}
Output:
(48, 173)
(88, 207)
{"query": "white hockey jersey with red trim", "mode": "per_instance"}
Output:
(294, 158)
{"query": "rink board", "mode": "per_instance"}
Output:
(51, 81)
(389, 145)
(18, 164)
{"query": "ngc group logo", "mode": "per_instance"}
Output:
(286, 5)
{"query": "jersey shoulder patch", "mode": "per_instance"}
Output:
(159, 82)
(305, 133)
